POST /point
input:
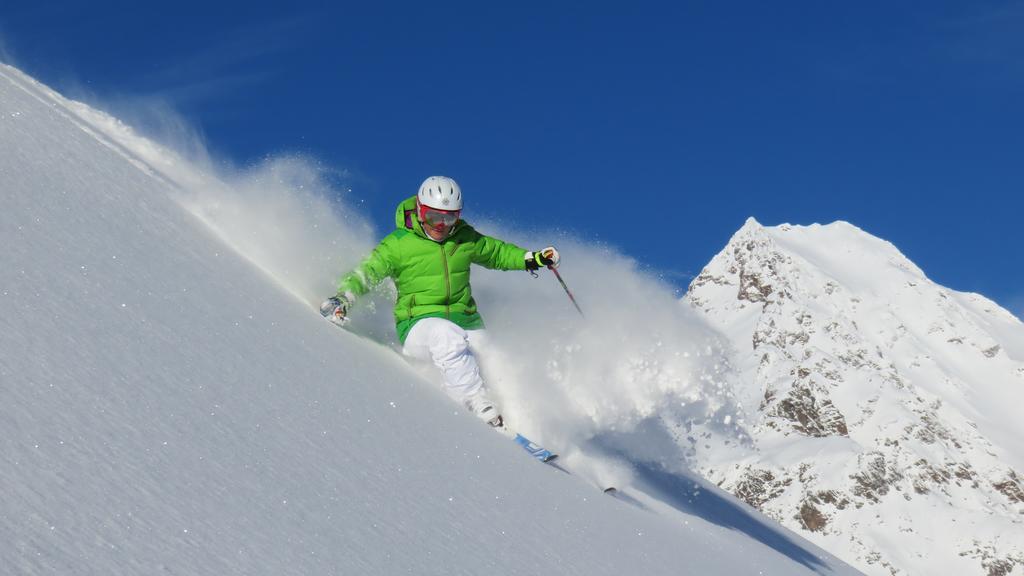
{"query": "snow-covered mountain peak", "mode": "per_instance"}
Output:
(851, 256)
(785, 260)
(876, 392)
(750, 226)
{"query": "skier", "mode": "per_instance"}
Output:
(428, 256)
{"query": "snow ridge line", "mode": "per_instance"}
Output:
(59, 104)
(56, 102)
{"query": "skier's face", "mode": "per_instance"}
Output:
(438, 223)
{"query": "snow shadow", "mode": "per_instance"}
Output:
(690, 493)
(695, 496)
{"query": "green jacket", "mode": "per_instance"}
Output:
(432, 277)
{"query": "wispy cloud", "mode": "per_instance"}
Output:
(241, 58)
(6, 55)
(186, 90)
(1016, 306)
(991, 34)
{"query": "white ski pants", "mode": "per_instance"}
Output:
(450, 348)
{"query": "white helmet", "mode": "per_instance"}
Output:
(440, 192)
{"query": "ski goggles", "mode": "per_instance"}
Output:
(434, 217)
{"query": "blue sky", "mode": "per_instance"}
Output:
(656, 127)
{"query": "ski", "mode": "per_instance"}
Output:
(549, 457)
(535, 450)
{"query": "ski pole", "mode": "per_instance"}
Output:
(566, 288)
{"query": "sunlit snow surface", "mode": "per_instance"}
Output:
(172, 403)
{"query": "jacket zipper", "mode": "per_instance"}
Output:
(447, 284)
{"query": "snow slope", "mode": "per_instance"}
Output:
(172, 404)
(883, 408)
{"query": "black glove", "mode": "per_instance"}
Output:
(547, 257)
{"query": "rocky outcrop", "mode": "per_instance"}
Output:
(807, 410)
(1010, 487)
(758, 486)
